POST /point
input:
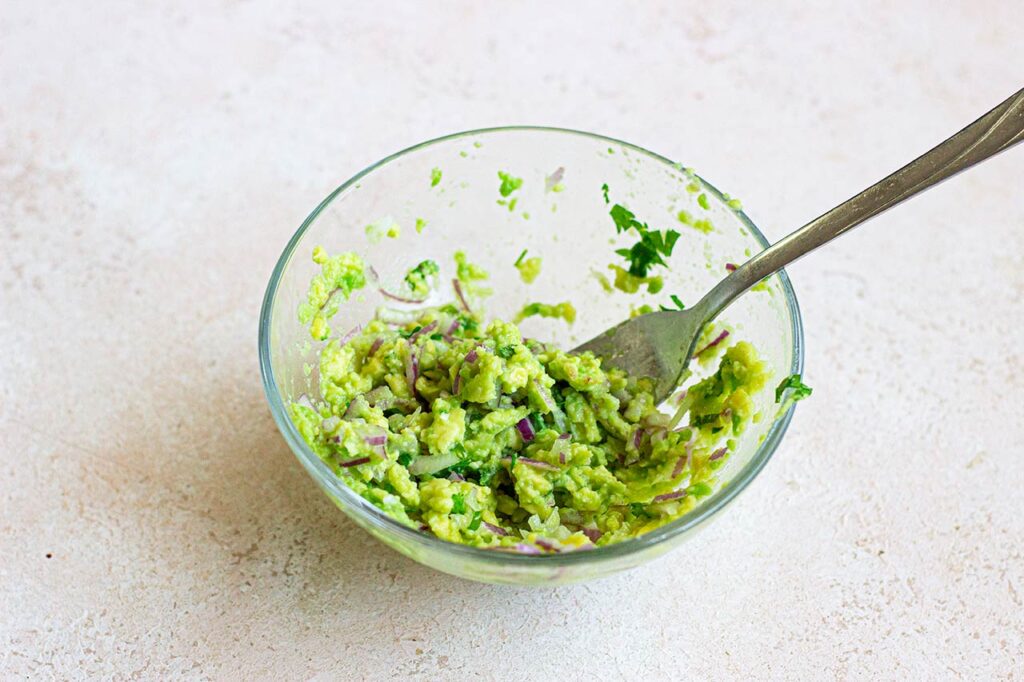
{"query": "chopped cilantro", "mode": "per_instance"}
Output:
(505, 352)
(475, 523)
(509, 184)
(458, 504)
(437, 337)
(537, 422)
(405, 459)
(651, 248)
(514, 458)
(639, 509)
(407, 334)
(435, 177)
(675, 299)
(520, 259)
(604, 190)
(487, 473)
(800, 389)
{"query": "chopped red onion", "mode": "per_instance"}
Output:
(717, 454)
(424, 528)
(718, 339)
(458, 292)
(471, 356)
(457, 384)
(731, 267)
(564, 436)
(561, 457)
(412, 370)
(354, 462)
(497, 530)
(680, 465)
(452, 328)
(669, 496)
(330, 423)
(525, 429)
(522, 548)
(638, 437)
(455, 477)
(348, 337)
(376, 440)
(682, 397)
(553, 179)
(401, 299)
(375, 346)
(537, 464)
(304, 400)
(551, 547)
(593, 533)
(425, 330)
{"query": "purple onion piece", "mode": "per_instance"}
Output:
(330, 423)
(354, 462)
(401, 299)
(304, 400)
(376, 440)
(553, 179)
(731, 267)
(452, 328)
(375, 346)
(497, 530)
(593, 533)
(680, 465)
(525, 429)
(457, 384)
(669, 496)
(537, 464)
(550, 546)
(561, 457)
(458, 292)
(425, 330)
(471, 357)
(412, 370)
(717, 454)
(718, 339)
(348, 337)
(565, 436)
(455, 477)
(638, 437)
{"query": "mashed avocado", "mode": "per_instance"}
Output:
(468, 431)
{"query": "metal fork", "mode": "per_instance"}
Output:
(659, 345)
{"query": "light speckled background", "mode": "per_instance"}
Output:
(154, 161)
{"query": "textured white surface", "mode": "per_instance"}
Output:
(153, 162)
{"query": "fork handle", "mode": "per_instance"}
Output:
(994, 132)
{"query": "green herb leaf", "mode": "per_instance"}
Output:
(604, 190)
(405, 459)
(520, 259)
(475, 523)
(800, 389)
(505, 352)
(458, 504)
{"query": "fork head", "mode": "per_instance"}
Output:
(656, 346)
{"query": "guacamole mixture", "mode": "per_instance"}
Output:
(462, 428)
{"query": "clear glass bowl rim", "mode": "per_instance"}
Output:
(386, 524)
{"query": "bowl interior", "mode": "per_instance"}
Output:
(559, 214)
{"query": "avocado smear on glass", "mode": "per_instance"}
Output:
(466, 430)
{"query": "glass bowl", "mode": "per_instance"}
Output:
(569, 227)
